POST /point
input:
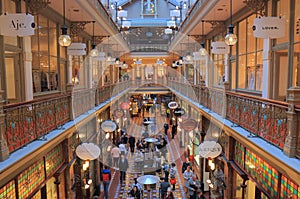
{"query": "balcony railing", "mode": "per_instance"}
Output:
(263, 118)
(28, 121)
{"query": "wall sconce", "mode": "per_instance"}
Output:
(230, 38)
(64, 39)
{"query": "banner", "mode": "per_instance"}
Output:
(19, 24)
(269, 27)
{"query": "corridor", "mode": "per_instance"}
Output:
(174, 154)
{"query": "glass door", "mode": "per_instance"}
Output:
(12, 76)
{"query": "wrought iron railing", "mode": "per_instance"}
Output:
(28, 121)
(263, 118)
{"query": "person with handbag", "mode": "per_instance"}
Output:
(194, 187)
(173, 173)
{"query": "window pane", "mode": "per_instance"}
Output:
(296, 68)
(250, 37)
(242, 72)
(297, 20)
(283, 10)
(233, 75)
(52, 39)
(242, 37)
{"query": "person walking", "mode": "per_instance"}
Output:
(123, 166)
(135, 193)
(164, 185)
(115, 153)
(106, 177)
(131, 143)
(174, 129)
(185, 164)
(187, 175)
(166, 127)
(193, 187)
(173, 173)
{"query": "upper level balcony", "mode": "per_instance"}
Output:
(273, 121)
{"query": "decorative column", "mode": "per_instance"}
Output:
(228, 170)
(69, 71)
(90, 73)
(266, 84)
(27, 56)
(293, 118)
(4, 152)
(208, 72)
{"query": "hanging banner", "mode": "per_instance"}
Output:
(219, 47)
(77, 49)
(108, 126)
(87, 151)
(269, 27)
(188, 124)
(18, 24)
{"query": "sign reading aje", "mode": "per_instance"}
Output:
(17, 24)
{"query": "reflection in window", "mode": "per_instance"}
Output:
(44, 56)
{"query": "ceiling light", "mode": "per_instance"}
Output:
(94, 52)
(64, 39)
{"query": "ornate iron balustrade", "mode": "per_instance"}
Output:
(25, 122)
(263, 118)
(28, 121)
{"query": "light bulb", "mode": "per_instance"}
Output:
(86, 186)
(90, 181)
(230, 38)
(64, 39)
(107, 136)
(94, 52)
(203, 52)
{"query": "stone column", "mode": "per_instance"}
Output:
(293, 118)
(69, 72)
(4, 152)
(27, 56)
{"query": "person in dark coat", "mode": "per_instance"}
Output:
(131, 143)
(164, 185)
(174, 129)
(166, 127)
(123, 166)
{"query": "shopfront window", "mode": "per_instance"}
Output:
(218, 69)
(249, 62)
(283, 10)
(296, 64)
(44, 56)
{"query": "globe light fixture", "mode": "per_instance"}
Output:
(64, 39)
(230, 38)
(203, 51)
(94, 52)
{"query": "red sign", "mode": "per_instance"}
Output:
(125, 105)
(118, 113)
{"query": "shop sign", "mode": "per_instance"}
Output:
(173, 105)
(118, 113)
(18, 24)
(219, 47)
(108, 126)
(188, 124)
(210, 149)
(269, 27)
(87, 151)
(77, 49)
(179, 112)
(125, 105)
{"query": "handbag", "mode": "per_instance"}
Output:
(173, 181)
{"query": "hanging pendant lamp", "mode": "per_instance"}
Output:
(64, 39)
(230, 38)
(94, 52)
(203, 51)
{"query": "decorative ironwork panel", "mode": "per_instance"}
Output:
(289, 189)
(265, 174)
(20, 126)
(31, 179)
(263, 196)
(239, 151)
(249, 114)
(273, 124)
(54, 159)
(62, 110)
(44, 117)
(8, 191)
(38, 195)
(233, 108)
(217, 101)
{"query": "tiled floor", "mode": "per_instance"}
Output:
(175, 154)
